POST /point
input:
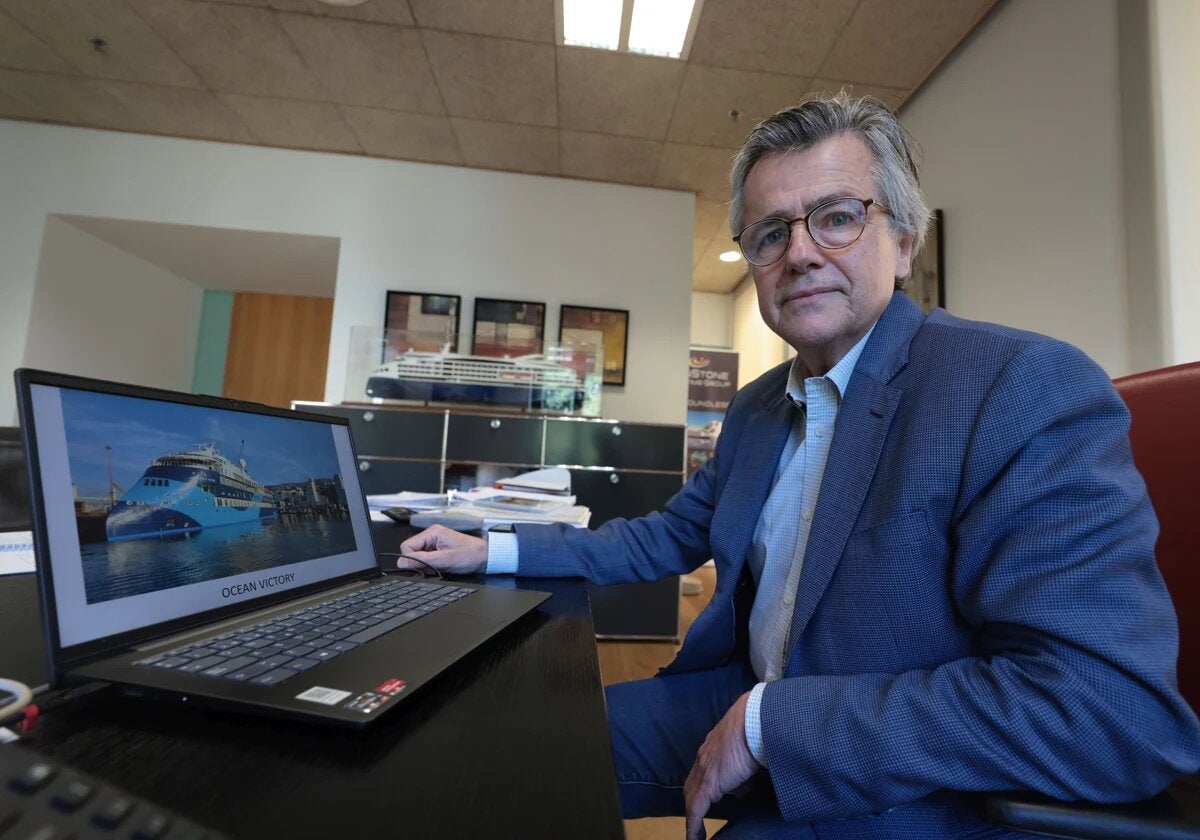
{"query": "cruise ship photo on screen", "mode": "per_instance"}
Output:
(186, 492)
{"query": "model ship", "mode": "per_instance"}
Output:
(531, 381)
(185, 492)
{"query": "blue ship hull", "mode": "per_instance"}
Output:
(174, 500)
(525, 396)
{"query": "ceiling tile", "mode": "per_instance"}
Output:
(20, 49)
(616, 93)
(494, 78)
(377, 11)
(514, 148)
(779, 36)
(712, 219)
(134, 51)
(602, 157)
(292, 123)
(366, 64)
(701, 169)
(709, 95)
(180, 112)
(699, 246)
(889, 96)
(526, 20)
(712, 275)
(238, 49)
(399, 135)
(920, 33)
(65, 99)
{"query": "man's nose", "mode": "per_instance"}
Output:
(802, 252)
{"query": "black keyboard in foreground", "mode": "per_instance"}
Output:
(43, 799)
(283, 646)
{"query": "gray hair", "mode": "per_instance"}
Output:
(893, 152)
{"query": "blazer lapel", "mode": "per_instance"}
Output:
(750, 479)
(863, 421)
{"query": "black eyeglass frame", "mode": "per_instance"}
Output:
(867, 204)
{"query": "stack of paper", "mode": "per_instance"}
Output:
(555, 481)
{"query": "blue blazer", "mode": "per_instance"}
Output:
(979, 607)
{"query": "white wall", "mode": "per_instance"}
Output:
(99, 311)
(1174, 36)
(406, 226)
(1022, 141)
(712, 319)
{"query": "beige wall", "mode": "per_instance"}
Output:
(1175, 67)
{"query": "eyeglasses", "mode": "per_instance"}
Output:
(835, 224)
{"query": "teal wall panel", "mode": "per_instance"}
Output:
(212, 345)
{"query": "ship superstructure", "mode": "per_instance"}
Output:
(531, 381)
(185, 492)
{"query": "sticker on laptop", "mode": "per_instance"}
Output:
(369, 701)
(391, 688)
(326, 696)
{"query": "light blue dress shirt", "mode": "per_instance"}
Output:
(781, 536)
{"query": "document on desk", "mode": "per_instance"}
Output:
(16, 553)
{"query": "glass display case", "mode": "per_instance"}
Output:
(403, 367)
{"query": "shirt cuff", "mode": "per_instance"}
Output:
(503, 553)
(754, 723)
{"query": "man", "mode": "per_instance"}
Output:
(935, 566)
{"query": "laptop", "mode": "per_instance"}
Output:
(217, 551)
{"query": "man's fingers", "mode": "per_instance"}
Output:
(697, 801)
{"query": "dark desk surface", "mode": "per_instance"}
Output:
(510, 742)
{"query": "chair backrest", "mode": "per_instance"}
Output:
(14, 484)
(1165, 436)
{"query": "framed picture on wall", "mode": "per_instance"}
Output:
(508, 327)
(926, 284)
(592, 324)
(420, 321)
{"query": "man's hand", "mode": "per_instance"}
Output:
(723, 764)
(445, 550)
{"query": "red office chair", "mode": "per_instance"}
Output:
(1165, 436)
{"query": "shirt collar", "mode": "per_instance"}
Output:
(839, 374)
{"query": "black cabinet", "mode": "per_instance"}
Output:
(619, 470)
(494, 440)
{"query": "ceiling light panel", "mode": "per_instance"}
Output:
(660, 27)
(592, 23)
(650, 27)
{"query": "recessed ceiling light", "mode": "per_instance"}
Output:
(592, 23)
(660, 27)
(653, 27)
(729, 256)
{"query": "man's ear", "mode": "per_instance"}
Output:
(904, 255)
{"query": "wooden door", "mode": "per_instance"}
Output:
(278, 348)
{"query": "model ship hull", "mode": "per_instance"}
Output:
(174, 497)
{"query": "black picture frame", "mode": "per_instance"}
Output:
(926, 283)
(613, 324)
(508, 327)
(438, 317)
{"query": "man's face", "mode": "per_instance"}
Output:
(821, 301)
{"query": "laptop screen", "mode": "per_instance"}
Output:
(158, 510)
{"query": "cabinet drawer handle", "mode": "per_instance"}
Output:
(363, 466)
(614, 478)
(495, 424)
(616, 430)
(368, 416)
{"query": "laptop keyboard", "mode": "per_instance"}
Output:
(281, 647)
